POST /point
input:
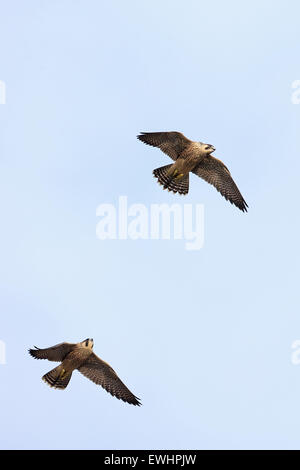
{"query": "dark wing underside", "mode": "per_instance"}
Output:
(56, 353)
(102, 374)
(171, 143)
(216, 173)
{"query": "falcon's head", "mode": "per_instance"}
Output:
(207, 148)
(88, 343)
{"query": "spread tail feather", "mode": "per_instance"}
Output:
(57, 377)
(171, 180)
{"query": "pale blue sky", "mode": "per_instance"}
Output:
(202, 337)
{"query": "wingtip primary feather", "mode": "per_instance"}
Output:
(142, 137)
(135, 401)
(32, 352)
(244, 206)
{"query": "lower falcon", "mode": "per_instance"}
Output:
(80, 356)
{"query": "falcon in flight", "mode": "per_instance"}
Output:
(191, 156)
(80, 356)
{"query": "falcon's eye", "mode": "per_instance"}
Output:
(87, 343)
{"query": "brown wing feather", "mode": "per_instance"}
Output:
(216, 173)
(171, 143)
(102, 374)
(56, 353)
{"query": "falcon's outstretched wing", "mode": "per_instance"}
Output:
(216, 173)
(56, 353)
(171, 143)
(102, 374)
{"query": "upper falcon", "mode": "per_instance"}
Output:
(191, 156)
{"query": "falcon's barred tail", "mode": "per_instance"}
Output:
(172, 180)
(57, 377)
